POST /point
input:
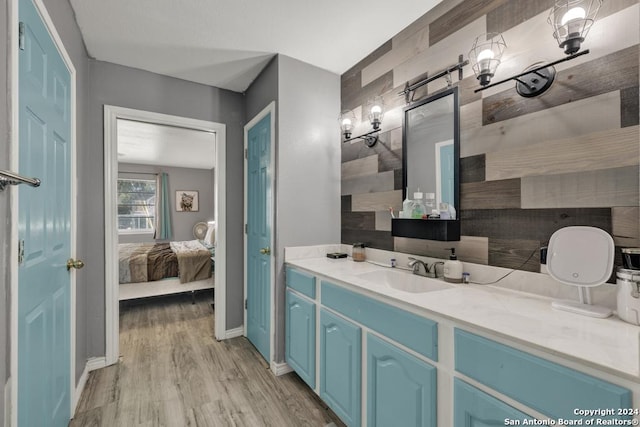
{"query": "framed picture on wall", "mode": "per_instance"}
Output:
(187, 201)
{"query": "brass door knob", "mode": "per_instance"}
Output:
(74, 263)
(265, 251)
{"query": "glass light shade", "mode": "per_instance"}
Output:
(347, 122)
(485, 56)
(375, 107)
(571, 21)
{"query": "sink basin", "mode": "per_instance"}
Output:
(404, 281)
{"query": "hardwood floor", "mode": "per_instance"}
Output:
(172, 372)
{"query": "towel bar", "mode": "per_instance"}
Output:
(10, 178)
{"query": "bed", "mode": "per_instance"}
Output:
(153, 269)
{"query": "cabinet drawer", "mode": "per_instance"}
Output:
(416, 332)
(547, 387)
(301, 282)
(473, 407)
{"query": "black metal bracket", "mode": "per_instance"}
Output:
(535, 81)
(370, 138)
(444, 73)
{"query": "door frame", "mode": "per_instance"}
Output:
(14, 62)
(269, 109)
(111, 114)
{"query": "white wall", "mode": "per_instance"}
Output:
(308, 167)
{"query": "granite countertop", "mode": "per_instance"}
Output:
(606, 344)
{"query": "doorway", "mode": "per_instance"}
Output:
(111, 116)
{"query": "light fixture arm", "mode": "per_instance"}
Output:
(446, 72)
(536, 70)
(370, 138)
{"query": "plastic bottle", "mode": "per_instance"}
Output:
(430, 203)
(407, 206)
(453, 268)
(418, 206)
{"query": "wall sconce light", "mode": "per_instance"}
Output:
(485, 56)
(571, 21)
(375, 108)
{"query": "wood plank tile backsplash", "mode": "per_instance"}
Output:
(529, 166)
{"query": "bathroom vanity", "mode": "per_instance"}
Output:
(384, 347)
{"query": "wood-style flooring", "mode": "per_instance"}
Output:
(172, 372)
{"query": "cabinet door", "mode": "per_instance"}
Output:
(474, 408)
(341, 366)
(401, 389)
(300, 338)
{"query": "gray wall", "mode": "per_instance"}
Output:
(131, 88)
(308, 165)
(200, 180)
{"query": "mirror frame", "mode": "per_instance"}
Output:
(456, 142)
(432, 229)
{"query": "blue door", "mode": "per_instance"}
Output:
(44, 360)
(259, 208)
(446, 173)
(341, 366)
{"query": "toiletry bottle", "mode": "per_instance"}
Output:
(444, 211)
(453, 268)
(430, 203)
(358, 254)
(407, 206)
(418, 206)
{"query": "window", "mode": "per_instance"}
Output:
(136, 205)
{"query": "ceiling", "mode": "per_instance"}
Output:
(227, 43)
(160, 145)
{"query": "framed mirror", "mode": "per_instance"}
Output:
(431, 164)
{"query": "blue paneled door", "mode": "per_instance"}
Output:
(259, 215)
(44, 349)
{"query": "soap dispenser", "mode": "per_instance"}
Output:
(407, 206)
(453, 268)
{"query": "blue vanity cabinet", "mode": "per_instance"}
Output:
(475, 408)
(544, 386)
(401, 389)
(341, 366)
(300, 337)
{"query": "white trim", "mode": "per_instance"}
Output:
(7, 403)
(111, 114)
(91, 365)
(234, 333)
(14, 161)
(280, 368)
(269, 109)
(438, 147)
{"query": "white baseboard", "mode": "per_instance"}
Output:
(7, 403)
(91, 365)
(233, 333)
(280, 368)
(96, 363)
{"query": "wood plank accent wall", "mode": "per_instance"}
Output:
(529, 166)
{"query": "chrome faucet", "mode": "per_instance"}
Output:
(426, 271)
(415, 265)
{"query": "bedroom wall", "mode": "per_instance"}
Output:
(132, 88)
(200, 180)
(529, 166)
